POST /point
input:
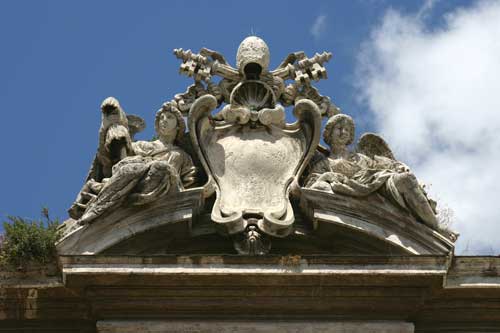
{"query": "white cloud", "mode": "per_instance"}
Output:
(319, 27)
(435, 96)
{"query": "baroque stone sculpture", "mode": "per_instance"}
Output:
(252, 65)
(258, 176)
(371, 169)
(253, 158)
(138, 172)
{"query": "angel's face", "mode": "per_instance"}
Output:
(167, 123)
(341, 134)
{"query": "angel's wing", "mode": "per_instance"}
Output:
(135, 125)
(371, 145)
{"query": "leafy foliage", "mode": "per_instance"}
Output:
(26, 241)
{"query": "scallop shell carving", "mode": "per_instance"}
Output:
(253, 95)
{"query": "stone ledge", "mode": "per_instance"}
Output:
(124, 326)
(166, 270)
(474, 272)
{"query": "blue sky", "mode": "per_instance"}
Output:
(60, 59)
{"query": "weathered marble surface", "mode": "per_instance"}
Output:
(252, 167)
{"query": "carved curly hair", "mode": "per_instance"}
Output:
(330, 124)
(181, 126)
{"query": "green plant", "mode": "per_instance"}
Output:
(28, 241)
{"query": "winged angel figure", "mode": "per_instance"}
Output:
(372, 168)
(136, 172)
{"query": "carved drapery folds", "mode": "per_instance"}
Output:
(370, 170)
(255, 164)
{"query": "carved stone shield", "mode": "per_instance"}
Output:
(252, 167)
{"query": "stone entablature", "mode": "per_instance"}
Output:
(424, 293)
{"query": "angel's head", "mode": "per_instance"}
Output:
(339, 130)
(169, 124)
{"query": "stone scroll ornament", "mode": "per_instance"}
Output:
(252, 157)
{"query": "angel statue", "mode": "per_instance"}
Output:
(372, 169)
(143, 171)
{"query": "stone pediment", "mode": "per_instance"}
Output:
(243, 180)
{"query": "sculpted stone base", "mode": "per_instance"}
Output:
(128, 222)
(375, 218)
